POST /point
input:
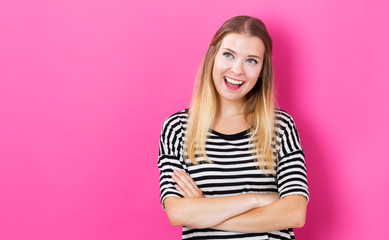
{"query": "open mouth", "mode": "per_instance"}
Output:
(233, 83)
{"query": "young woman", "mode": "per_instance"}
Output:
(232, 166)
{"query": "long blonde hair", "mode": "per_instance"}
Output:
(259, 101)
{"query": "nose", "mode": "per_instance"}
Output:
(237, 68)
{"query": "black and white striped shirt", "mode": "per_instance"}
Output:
(233, 170)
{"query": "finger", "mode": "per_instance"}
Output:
(181, 190)
(186, 183)
(183, 185)
(190, 180)
(195, 190)
(187, 180)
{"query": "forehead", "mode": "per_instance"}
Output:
(243, 44)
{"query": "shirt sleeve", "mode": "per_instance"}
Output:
(170, 156)
(291, 168)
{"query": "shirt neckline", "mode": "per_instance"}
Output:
(234, 136)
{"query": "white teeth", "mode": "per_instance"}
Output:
(233, 81)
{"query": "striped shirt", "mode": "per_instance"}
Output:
(233, 169)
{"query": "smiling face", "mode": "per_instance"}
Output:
(237, 66)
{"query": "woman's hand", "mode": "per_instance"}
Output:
(185, 185)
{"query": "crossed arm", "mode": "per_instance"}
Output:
(239, 213)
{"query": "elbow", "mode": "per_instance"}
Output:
(174, 217)
(179, 214)
(174, 222)
(174, 212)
(298, 212)
(299, 218)
(300, 222)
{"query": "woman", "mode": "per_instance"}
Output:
(232, 166)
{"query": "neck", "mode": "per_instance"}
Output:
(230, 108)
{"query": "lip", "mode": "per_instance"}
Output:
(230, 88)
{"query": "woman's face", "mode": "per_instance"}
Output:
(237, 66)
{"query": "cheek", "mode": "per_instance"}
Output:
(216, 72)
(221, 66)
(253, 73)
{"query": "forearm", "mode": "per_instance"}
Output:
(288, 212)
(207, 212)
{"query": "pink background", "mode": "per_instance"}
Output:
(86, 85)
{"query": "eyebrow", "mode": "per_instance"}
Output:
(252, 56)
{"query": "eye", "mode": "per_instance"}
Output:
(228, 55)
(252, 61)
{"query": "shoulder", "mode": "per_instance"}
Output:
(175, 122)
(284, 122)
(282, 115)
(286, 129)
(178, 117)
(283, 118)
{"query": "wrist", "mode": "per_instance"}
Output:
(255, 200)
(259, 201)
